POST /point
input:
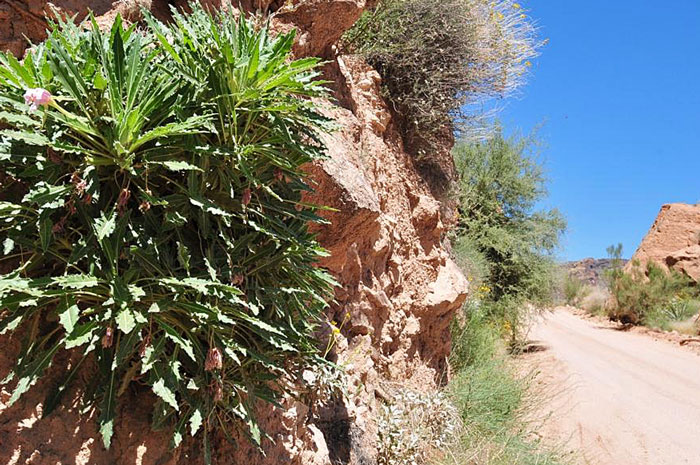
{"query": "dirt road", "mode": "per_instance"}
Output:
(617, 398)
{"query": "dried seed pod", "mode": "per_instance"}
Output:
(217, 391)
(123, 199)
(246, 197)
(214, 360)
(108, 338)
(237, 279)
(144, 345)
(70, 205)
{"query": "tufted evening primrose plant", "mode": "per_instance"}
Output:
(152, 224)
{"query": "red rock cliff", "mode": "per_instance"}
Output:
(673, 240)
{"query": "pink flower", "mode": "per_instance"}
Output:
(36, 97)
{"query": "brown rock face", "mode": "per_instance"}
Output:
(673, 240)
(590, 270)
(398, 288)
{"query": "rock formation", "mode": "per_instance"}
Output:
(590, 270)
(398, 286)
(673, 240)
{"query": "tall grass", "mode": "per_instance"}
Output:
(491, 398)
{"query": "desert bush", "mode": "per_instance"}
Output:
(650, 295)
(595, 302)
(500, 182)
(575, 290)
(152, 215)
(439, 59)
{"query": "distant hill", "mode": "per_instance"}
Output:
(590, 270)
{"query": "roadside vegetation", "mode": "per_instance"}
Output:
(504, 243)
(652, 296)
(492, 398)
(638, 294)
(574, 290)
(506, 247)
(440, 60)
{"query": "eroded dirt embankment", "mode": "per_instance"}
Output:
(616, 397)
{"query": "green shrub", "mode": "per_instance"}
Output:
(491, 398)
(596, 301)
(438, 59)
(575, 290)
(500, 182)
(152, 215)
(474, 337)
(650, 295)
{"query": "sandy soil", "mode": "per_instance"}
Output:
(615, 397)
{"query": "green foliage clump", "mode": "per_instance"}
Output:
(438, 59)
(574, 290)
(152, 215)
(500, 182)
(491, 398)
(650, 295)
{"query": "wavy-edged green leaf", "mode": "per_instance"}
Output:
(105, 225)
(75, 281)
(69, 318)
(108, 410)
(164, 392)
(81, 334)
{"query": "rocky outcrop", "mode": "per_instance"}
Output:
(673, 240)
(386, 235)
(590, 270)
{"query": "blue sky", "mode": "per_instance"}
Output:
(618, 90)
